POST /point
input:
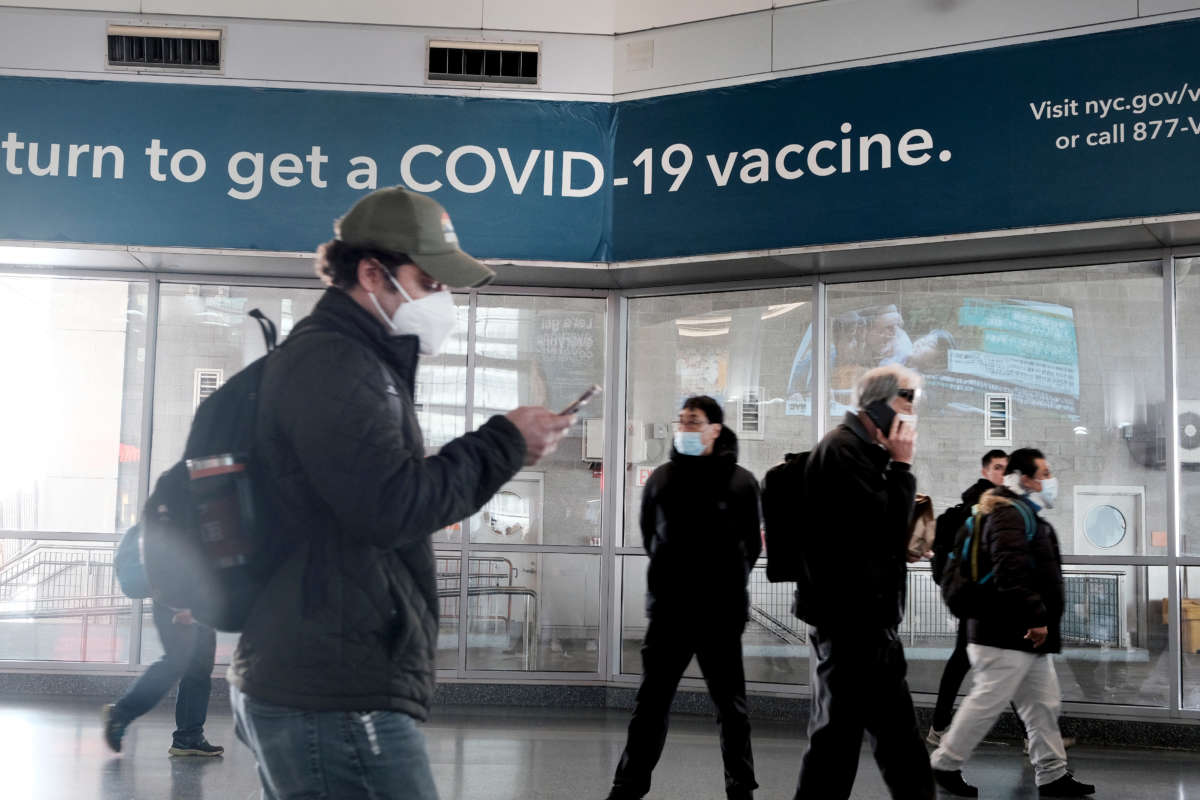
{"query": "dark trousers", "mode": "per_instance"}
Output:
(666, 653)
(188, 653)
(859, 686)
(956, 669)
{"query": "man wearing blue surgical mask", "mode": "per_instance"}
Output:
(1013, 636)
(335, 664)
(700, 527)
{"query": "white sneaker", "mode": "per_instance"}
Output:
(934, 737)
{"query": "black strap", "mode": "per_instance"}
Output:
(268, 328)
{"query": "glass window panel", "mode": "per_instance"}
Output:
(774, 644)
(1079, 350)
(59, 601)
(749, 350)
(633, 613)
(441, 391)
(1189, 633)
(449, 581)
(541, 351)
(1187, 427)
(71, 415)
(204, 333)
(533, 612)
(441, 396)
(1114, 635)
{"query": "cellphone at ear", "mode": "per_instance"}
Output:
(582, 400)
(882, 415)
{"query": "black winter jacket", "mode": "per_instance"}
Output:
(975, 491)
(349, 620)
(856, 540)
(701, 528)
(1027, 578)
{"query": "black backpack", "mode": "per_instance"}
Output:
(945, 530)
(782, 509)
(969, 571)
(203, 532)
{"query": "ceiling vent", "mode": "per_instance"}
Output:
(146, 47)
(484, 62)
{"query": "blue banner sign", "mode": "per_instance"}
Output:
(270, 169)
(1072, 130)
(1081, 129)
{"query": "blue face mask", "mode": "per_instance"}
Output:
(688, 443)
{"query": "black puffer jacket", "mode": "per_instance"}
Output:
(974, 492)
(857, 537)
(1027, 578)
(350, 619)
(701, 527)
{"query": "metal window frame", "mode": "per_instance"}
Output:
(617, 377)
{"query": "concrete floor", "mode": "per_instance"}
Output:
(51, 749)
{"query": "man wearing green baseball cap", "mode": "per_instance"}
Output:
(335, 665)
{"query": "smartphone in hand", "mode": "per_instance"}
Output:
(881, 414)
(582, 400)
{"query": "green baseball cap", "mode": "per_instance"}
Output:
(396, 220)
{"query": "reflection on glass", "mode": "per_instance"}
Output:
(533, 612)
(1105, 526)
(514, 514)
(1113, 632)
(1189, 634)
(1187, 426)
(542, 351)
(204, 338)
(71, 411)
(441, 390)
(449, 577)
(59, 601)
(741, 348)
(1080, 353)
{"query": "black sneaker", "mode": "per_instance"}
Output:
(951, 780)
(1066, 786)
(197, 748)
(114, 727)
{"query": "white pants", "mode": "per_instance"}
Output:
(1028, 680)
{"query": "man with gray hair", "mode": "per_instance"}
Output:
(861, 487)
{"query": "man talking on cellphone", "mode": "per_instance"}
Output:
(860, 487)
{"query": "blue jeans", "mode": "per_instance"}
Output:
(333, 755)
(188, 652)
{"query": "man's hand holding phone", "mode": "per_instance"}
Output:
(901, 442)
(543, 429)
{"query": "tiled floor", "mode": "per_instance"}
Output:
(50, 749)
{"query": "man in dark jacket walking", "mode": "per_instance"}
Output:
(701, 528)
(994, 463)
(1014, 633)
(861, 488)
(335, 665)
(188, 652)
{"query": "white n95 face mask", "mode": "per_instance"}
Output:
(431, 319)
